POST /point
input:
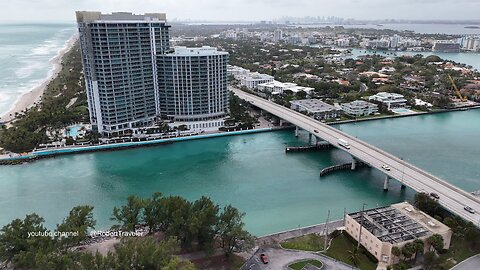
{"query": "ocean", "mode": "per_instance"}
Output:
(25, 54)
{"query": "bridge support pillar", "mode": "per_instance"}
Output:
(310, 135)
(282, 122)
(403, 187)
(296, 131)
(385, 183)
(354, 164)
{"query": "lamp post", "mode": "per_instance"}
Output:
(361, 225)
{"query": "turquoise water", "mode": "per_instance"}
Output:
(252, 172)
(25, 52)
(73, 130)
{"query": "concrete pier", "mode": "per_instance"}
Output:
(385, 184)
(354, 164)
(296, 131)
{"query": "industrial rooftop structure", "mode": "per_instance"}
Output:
(390, 225)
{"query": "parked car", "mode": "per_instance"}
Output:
(386, 168)
(469, 209)
(435, 195)
(264, 258)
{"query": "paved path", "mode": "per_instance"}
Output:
(276, 238)
(472, 263)
(451, 197)
(281, 258)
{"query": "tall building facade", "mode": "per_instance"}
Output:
(193, 84)
(133, 77)
(119, 52)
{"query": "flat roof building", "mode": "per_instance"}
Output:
(278, 88)
(381, 229)
(316, 108)
(359, 108)
(252, 80)
(391, 100)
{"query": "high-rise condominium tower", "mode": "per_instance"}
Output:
(119, 52)
(193, 86)
(133, 77)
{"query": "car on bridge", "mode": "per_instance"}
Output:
(435, 196)
(386, 167)
(469, 209)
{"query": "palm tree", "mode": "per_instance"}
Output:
(396, 252)
(354, 256)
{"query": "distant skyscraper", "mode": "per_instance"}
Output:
(119, 52)
(193, 86)
(278, 35)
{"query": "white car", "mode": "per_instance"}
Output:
(386, 168)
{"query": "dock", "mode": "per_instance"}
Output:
(309, 148)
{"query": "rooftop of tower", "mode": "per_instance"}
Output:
(97, 16)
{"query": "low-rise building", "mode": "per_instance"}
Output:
(316, 108)
(252, 80)
(359, 108)
(391, 100)
(381, 229)
(278, 88)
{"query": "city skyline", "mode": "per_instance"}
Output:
(241, 10)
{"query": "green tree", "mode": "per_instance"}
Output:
(15, 240)
(146, 253)
(130, 215)
(426, 204)
(79, 221)
(354, 256)
(408, 250)
(436, 242)
(204, 221)
(231, 233)
(153, 208)
(396, 251)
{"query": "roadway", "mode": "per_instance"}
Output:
(451, 197)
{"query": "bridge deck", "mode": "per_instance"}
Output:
(451, 197)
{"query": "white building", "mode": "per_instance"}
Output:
(237, 72)
(278, 35)
(342, 42)
(471, 43)
(316, 108)
(359, 108)
(392, 100)
(278, 88)
(252, 80)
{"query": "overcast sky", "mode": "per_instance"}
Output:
(245, 10)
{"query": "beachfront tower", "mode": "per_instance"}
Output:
(193, 87)
(119, 53)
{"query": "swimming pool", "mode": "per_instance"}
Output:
(73, 131)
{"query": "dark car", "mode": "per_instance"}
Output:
(469, 209)
(263, 258)
(435, 195)
(316, 131)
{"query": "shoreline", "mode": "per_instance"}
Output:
(110, 147)
(34, 96)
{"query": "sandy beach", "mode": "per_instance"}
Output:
(34, 96)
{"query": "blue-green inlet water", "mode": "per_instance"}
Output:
(252, 172)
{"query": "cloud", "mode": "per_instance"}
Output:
(235, 10)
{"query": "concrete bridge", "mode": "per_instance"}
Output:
(451, 197)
